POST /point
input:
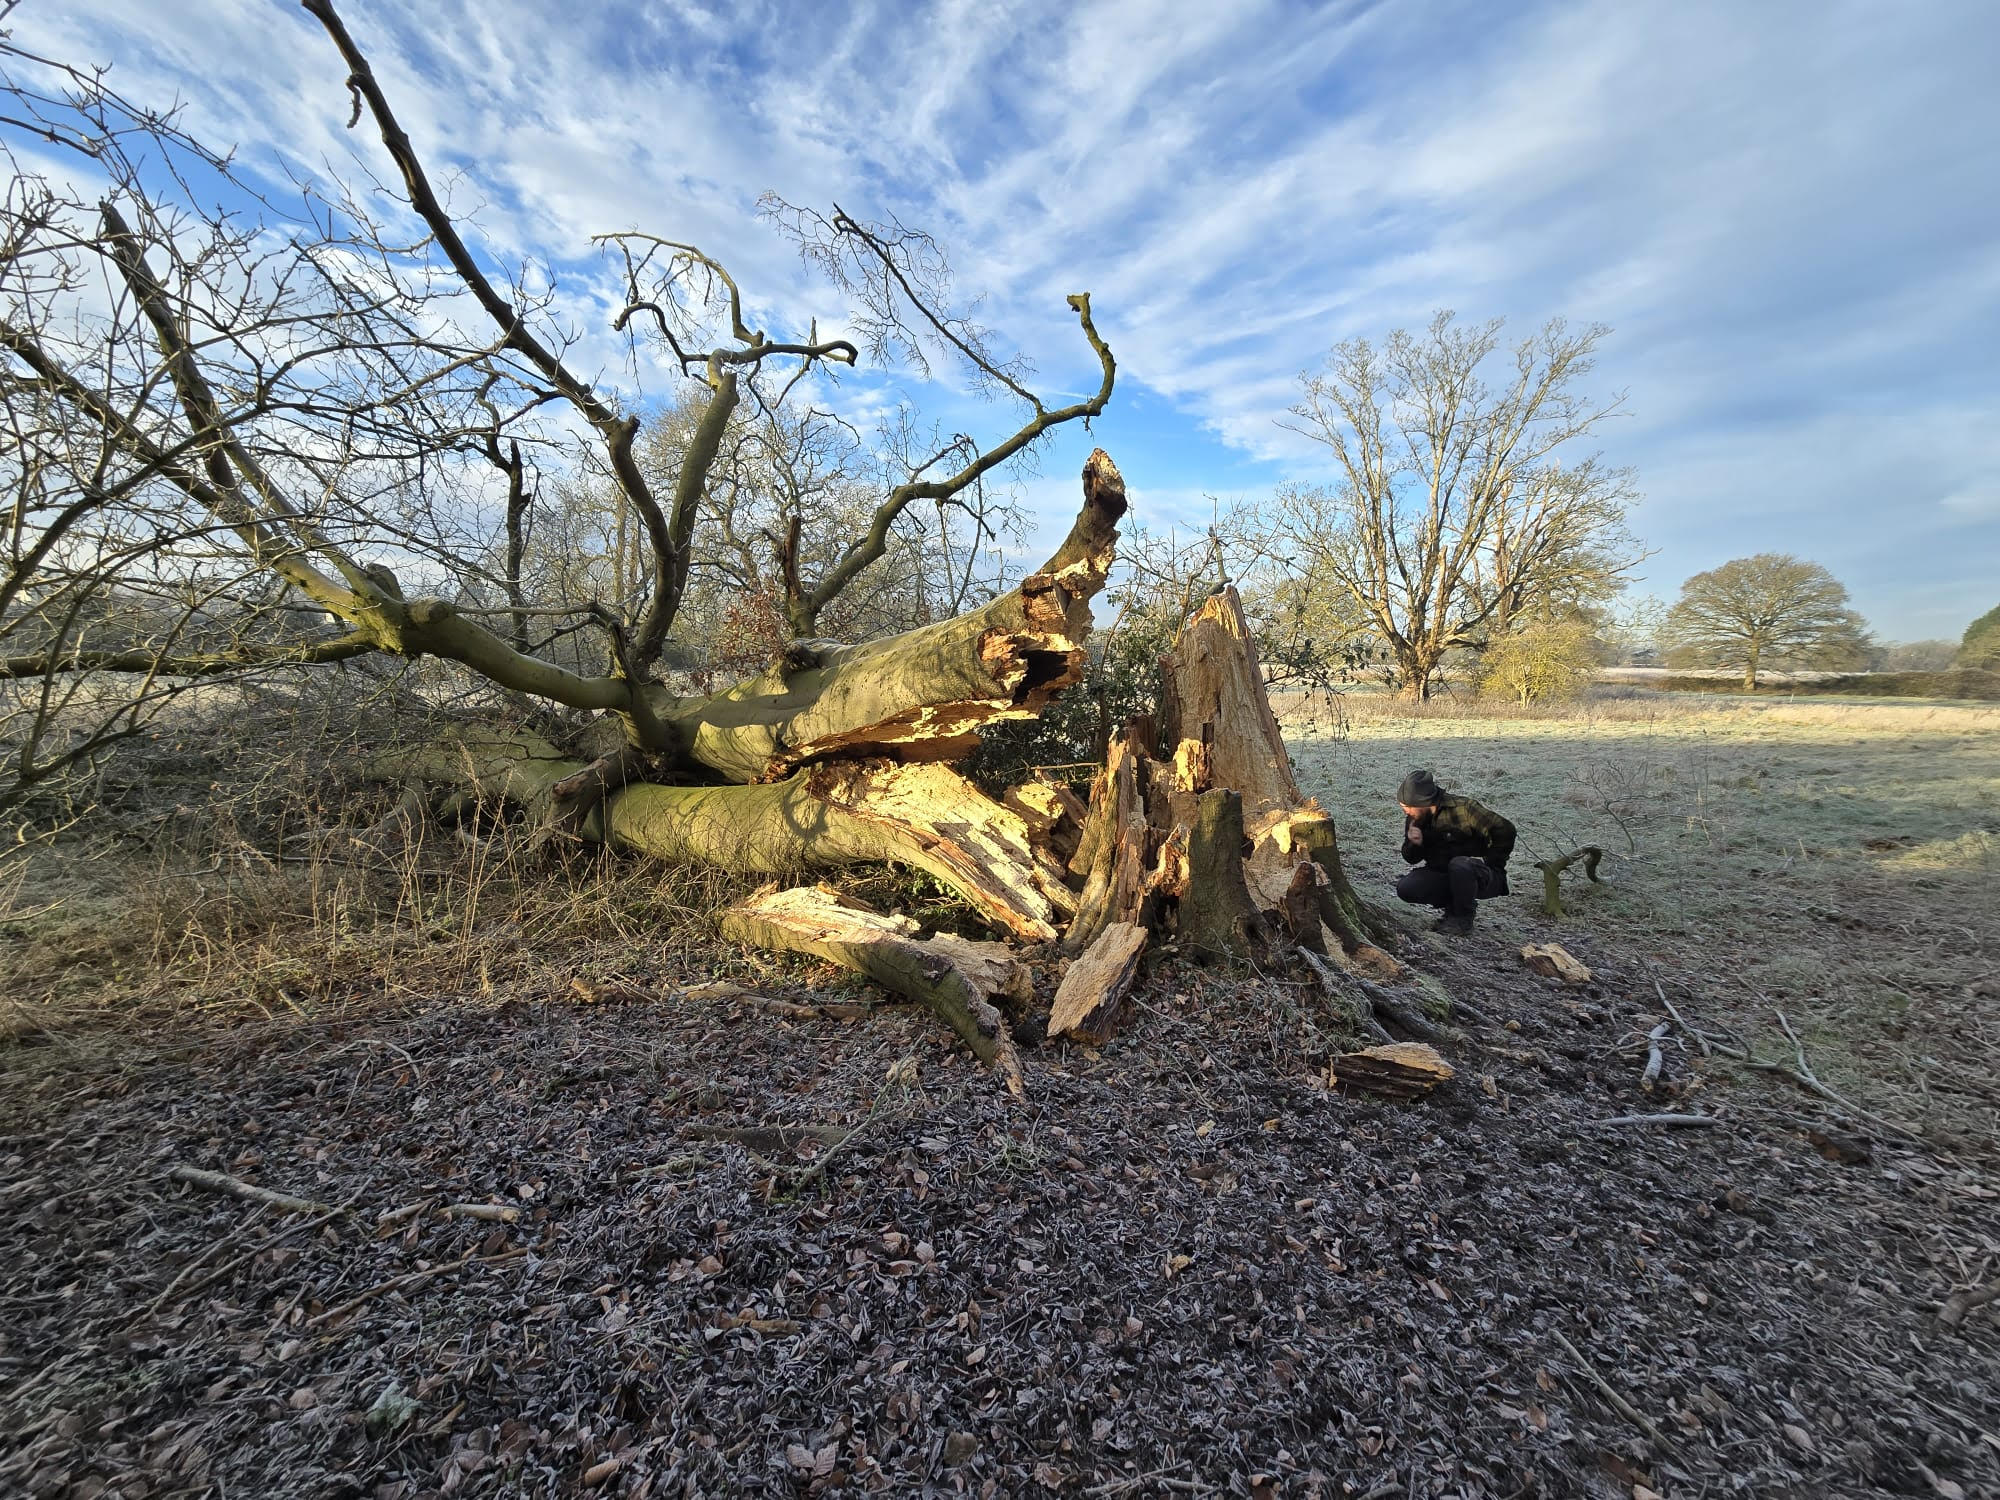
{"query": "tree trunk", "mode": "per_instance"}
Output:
(926, 817)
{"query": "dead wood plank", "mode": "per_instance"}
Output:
(1402, 1070)
(947, 975)
(1088, 1000)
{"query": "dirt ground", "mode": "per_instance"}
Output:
(748, 1256)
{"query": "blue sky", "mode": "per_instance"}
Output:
(1786, 211)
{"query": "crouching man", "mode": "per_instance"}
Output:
(1459, 848)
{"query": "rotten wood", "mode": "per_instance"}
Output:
(1089, 999)
(1402, 1070)
(1553, 961)
(955, 978)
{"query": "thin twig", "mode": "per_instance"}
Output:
(1674, 1120)
(397, 1283)
(1619, 1403)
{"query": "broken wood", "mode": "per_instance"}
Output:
(955, 978)
(235, 1187)
(1552, 871)
(1402, 1070)
(1090, 996)
(922, 695)
(1553, 961)
(1114, 854)
(1054, 815)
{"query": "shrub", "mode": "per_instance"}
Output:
(1545, 661)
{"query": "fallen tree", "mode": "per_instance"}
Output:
(300, 451)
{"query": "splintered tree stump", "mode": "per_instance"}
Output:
(1402, 1070)
(1213, 841)
(954, 977)
(1091, 994)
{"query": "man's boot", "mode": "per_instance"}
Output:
(1453, 925)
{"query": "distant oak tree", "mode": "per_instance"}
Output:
(1769, 611)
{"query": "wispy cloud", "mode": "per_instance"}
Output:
(1781, 208)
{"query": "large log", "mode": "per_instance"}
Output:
(925, 817)
(955, 978)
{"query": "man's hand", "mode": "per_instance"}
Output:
(1414, 832)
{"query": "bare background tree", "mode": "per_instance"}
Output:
(1768, 612)
(1456, 517)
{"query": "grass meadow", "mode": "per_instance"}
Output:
(1833, 859)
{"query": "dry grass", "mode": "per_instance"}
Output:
(224, 879)
(1836, 860)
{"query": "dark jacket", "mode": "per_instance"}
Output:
(1460, 825)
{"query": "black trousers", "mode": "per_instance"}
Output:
(1458, 888)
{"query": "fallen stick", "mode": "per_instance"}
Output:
(1687, 1121)
(227, 1242)
(1655, 1057)
(792, 1010)
(235, 1187)
(768, 1139)
(1804, 1077)
(1619, 1403)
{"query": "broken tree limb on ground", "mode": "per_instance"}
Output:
(956, 978)
(1552, 872)
(1088, 1000)
(926, 816)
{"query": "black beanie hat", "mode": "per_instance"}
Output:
(1419, 789)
